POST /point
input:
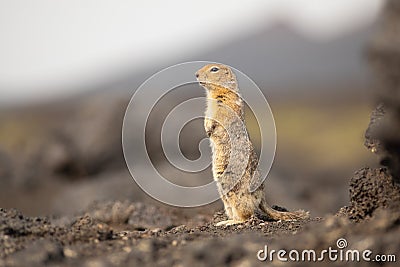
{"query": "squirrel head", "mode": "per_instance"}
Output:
(214, 75)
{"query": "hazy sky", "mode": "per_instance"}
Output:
(52, 48)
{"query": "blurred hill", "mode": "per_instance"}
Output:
(280, 60)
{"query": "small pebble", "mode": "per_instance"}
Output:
(70, 253)
(124, 233)
(179, 228)
(127, 249)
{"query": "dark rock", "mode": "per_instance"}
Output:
(372, 141)
(371, 189)
(135, 215)
(111, 212)
(150, 217)
(384, 57)
(13, 223)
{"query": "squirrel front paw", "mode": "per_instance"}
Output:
(209, 127)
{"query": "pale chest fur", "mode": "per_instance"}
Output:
(221, 123)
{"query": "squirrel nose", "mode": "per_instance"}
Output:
(197, 75)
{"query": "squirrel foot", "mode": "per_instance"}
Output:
(228, 222)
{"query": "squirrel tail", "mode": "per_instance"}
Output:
(267, 213)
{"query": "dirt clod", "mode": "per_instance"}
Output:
(371, 189)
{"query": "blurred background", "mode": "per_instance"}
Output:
(69, 68)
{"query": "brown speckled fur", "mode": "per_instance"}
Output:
(231, 148)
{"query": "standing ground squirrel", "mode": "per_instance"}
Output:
(234, 161)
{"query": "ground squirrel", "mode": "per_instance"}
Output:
(234, 161)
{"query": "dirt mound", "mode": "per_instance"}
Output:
(384, 57)
(372, 189)
(87, 240)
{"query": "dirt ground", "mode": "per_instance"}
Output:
(137, 234)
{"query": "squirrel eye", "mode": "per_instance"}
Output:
(214, 69)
